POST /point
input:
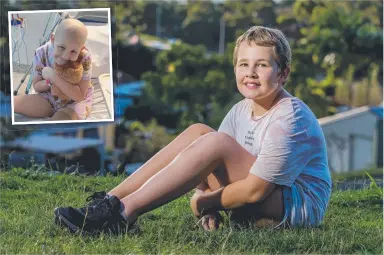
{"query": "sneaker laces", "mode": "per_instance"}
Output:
(104, 206)
(96, 197)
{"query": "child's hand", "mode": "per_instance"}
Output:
(55, 91)
(211, 221)
(39, 69)
(48, 73)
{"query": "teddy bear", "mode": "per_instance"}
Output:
(71, 72)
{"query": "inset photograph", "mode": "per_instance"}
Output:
(61, 66)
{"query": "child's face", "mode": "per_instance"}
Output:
(257, 73)
(66, 48)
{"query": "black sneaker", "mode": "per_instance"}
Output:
(100, 216)
(92, 200)
(96, 197)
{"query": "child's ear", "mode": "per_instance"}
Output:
(284, 74)
(52, 37)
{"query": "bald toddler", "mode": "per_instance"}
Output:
(66, 49)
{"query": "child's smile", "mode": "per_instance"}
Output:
(65, 51)
(68, 42)
(256, 71)
(252, 84)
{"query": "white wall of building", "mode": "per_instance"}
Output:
(351, 141)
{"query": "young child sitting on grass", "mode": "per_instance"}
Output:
(62, 53)
(266, 163)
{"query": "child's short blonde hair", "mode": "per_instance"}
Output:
(264, 36)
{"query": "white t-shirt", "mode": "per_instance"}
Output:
(287, 140)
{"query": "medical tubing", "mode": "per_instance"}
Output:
(46, 25)
(26, 49)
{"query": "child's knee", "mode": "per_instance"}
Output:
(218, 139)
(20, 104)
(200, 129)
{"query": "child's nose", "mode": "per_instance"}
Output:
(251, 72)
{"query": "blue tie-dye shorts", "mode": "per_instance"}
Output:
(305, 202)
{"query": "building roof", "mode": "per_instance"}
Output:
(350, 114)
(129, 89)
(378, 110)
(124, 94)
(50, 128)
(158, 45)
(52, 144)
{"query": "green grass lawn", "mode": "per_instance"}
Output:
(377, 173)
(353, 223)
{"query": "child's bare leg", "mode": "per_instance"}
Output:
(34, 106)
(160, 160)
(265, 213)
(188, 169)
(65, 114)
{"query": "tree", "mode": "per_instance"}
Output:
(368, 91)
(129, 17)
(202, 24)
(237, 16)
(188, 81)
(332, 35)
(243, 14)
(349, 30)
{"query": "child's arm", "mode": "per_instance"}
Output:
(38, 63)
(250, 190)
(75, 92)
(38, 81)
(39, 84)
